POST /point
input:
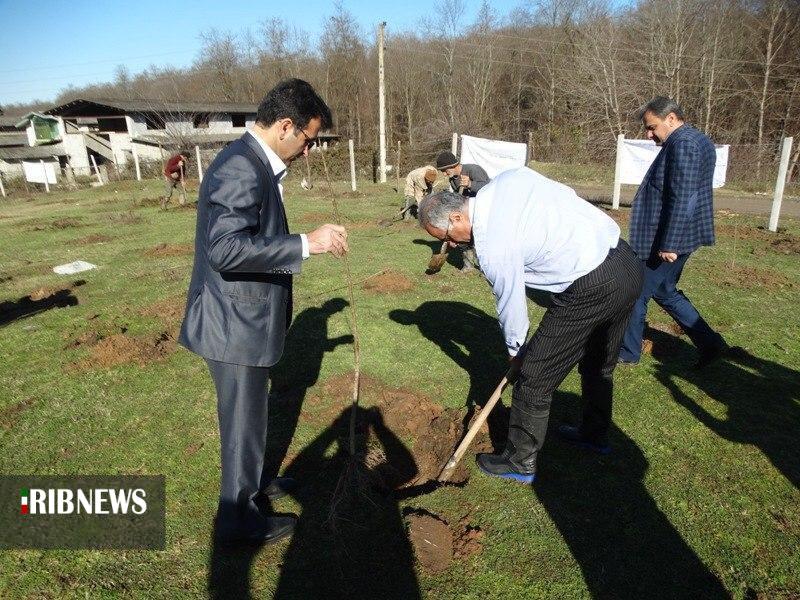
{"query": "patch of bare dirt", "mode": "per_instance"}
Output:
(786, 244)
(121, 349)
(161, 250)
(89, 337)
(432, 430)
(169, 311)
(436, 544)
(127, 218)
(661, 337)
(62, 223)
(390, 282)
(741, 276)
(95, 238)
(192, 449)
(780, 242)
(315, 217)
(432, 541)
(44, 292)
(10, 415)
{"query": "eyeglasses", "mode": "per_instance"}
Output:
(309, 141)
(447, 233)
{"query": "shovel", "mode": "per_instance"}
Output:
(450, 467)
(394, 219)
(437, 261)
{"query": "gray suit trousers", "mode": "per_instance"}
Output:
(242, 412)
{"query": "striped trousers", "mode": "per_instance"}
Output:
(584, 325)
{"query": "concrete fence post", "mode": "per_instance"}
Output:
(352, 165)
(96, 170)
(617, 173)
(136, 162)
(199, 164)
(44, 174)
(780, 183)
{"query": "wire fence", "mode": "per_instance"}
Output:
(751, 167)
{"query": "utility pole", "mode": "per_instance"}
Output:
(381, 103)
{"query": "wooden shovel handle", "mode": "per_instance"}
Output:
(451, 465)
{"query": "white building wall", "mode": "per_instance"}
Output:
(137, 125)
(76, 152)
(219, 123)
(178, 125)
(120, 142)
(11, 169)
(148, 152)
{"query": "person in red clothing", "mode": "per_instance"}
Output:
(174, 175)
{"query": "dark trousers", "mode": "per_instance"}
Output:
(242, 413)
(660, 283)
(584, 326)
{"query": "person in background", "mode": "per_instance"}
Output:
(419, 183)
(174, 176)
(672, 216)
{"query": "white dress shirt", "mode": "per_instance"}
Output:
(531, 231)
(279, 168)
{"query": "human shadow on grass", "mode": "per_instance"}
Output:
(760, 396)
(15, 310)
(471, 339)
(351, 541)
(306, 344)
(625, 546)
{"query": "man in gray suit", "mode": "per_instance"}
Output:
(240, 298)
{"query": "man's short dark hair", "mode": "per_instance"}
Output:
(661, 106)
(294, 99)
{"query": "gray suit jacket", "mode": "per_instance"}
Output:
(239, 303)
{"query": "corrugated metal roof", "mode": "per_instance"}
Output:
(155, 137)
(32, 152)
(157, 106)
(193, 138)
(13, 139)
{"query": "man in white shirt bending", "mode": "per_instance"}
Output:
(535, 236)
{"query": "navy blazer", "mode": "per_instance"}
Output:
(673, 208)
(239, 303)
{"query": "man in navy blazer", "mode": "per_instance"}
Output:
(240, 297)
(673, 215)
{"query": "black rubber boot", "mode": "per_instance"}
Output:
(526, 429)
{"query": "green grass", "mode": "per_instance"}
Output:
(700, 496)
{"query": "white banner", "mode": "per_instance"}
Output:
(638, 155)
(495, 156)
(35, 174)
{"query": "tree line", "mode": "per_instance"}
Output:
(567, 75)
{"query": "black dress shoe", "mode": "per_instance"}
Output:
(279, 487)
(275, 529)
